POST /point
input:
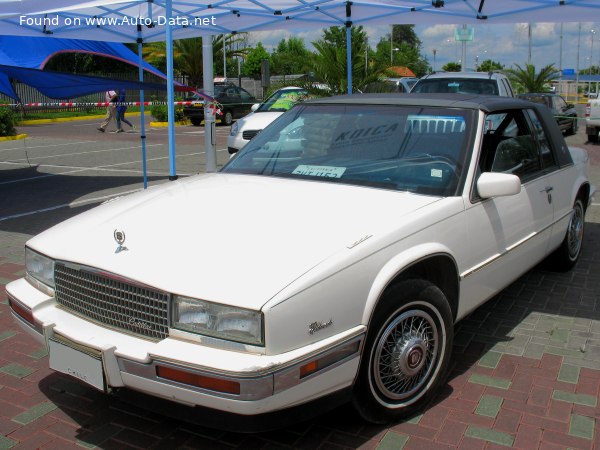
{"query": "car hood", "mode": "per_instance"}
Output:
(258, 120)
(235, 239)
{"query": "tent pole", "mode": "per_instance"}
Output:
(170, 90)
(210, 149)
(349, 45)
(142, 108)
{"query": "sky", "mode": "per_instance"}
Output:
(504, 43)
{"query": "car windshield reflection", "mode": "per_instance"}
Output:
(420, 150)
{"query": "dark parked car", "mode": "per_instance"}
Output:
(235, 102)
(564, 113)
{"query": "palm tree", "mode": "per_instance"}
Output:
(187, 54)
(330, 60)
(526, 80)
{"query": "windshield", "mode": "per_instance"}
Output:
(480, 86)
(414, 149)
(283, 100)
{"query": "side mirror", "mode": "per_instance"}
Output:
(570, 106)
(254, 107)
(494, 184)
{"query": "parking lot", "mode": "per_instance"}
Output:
(525, 371)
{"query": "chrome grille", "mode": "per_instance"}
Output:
(112, 301)
(249, 134)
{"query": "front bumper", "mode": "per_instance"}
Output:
(186, 372)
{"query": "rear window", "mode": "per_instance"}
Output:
(457, 86)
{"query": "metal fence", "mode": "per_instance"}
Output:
(28, 94)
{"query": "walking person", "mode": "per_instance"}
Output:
(111, 98)
(121, 108)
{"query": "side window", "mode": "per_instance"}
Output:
(509, 146)
(559, 104)
(548, 159)
(245, 95)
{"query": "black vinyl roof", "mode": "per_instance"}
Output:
(486, 103)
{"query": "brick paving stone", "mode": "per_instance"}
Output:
(393, 441)
(565, 440)
(581, 399)
(416, 443)
(490, 381)
(34, 413)
(6, 443)
(528, 437)
(17, 370)
(434, 417)
(569, 373)
(490, 359)
(451, 433)
(540, 396)
(489, 406)
(582, 426)
(560, 411)
(507, 421)
(489, 435)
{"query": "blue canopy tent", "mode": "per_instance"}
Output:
(35, 52)
(65, 85)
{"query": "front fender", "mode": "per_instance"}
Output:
(394, 267)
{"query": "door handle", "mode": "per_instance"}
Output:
(548, 190)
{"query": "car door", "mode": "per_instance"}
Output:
(509, 234)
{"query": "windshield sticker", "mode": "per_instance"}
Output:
(319, 171)
(437, 173)
(454, 84)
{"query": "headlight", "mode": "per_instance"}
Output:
(39, 267)
(234, 129)
(220, 321)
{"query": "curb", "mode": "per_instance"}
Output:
(13, 138)
(166, 124)
(66, 119)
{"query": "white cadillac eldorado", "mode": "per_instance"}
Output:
(333, 254)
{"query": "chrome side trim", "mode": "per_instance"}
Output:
(509, 249)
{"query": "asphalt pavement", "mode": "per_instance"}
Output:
(525, 370)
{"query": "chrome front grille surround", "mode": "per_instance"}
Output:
(112, 301)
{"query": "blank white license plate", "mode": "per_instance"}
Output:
(77, 364)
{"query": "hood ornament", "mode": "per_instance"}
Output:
(119, 236)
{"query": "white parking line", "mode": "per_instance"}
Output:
(27, 147)
(70, 205)
(105, 168)
(86, 153)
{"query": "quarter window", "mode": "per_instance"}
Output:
(546, 152)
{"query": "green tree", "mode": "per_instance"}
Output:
(451, 67)
(405, 34)
(525, 79)
(291, 57)
(489, 66)
(253, 63)
(330, 60)
(403, 50)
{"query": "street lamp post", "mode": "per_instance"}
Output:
(592, 49)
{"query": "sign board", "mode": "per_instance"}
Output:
(464, 34)
(568, 71)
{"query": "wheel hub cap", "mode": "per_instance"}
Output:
(406, 354)
(410, 356)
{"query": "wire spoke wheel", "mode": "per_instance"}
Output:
(405, 355)
(575, 231)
